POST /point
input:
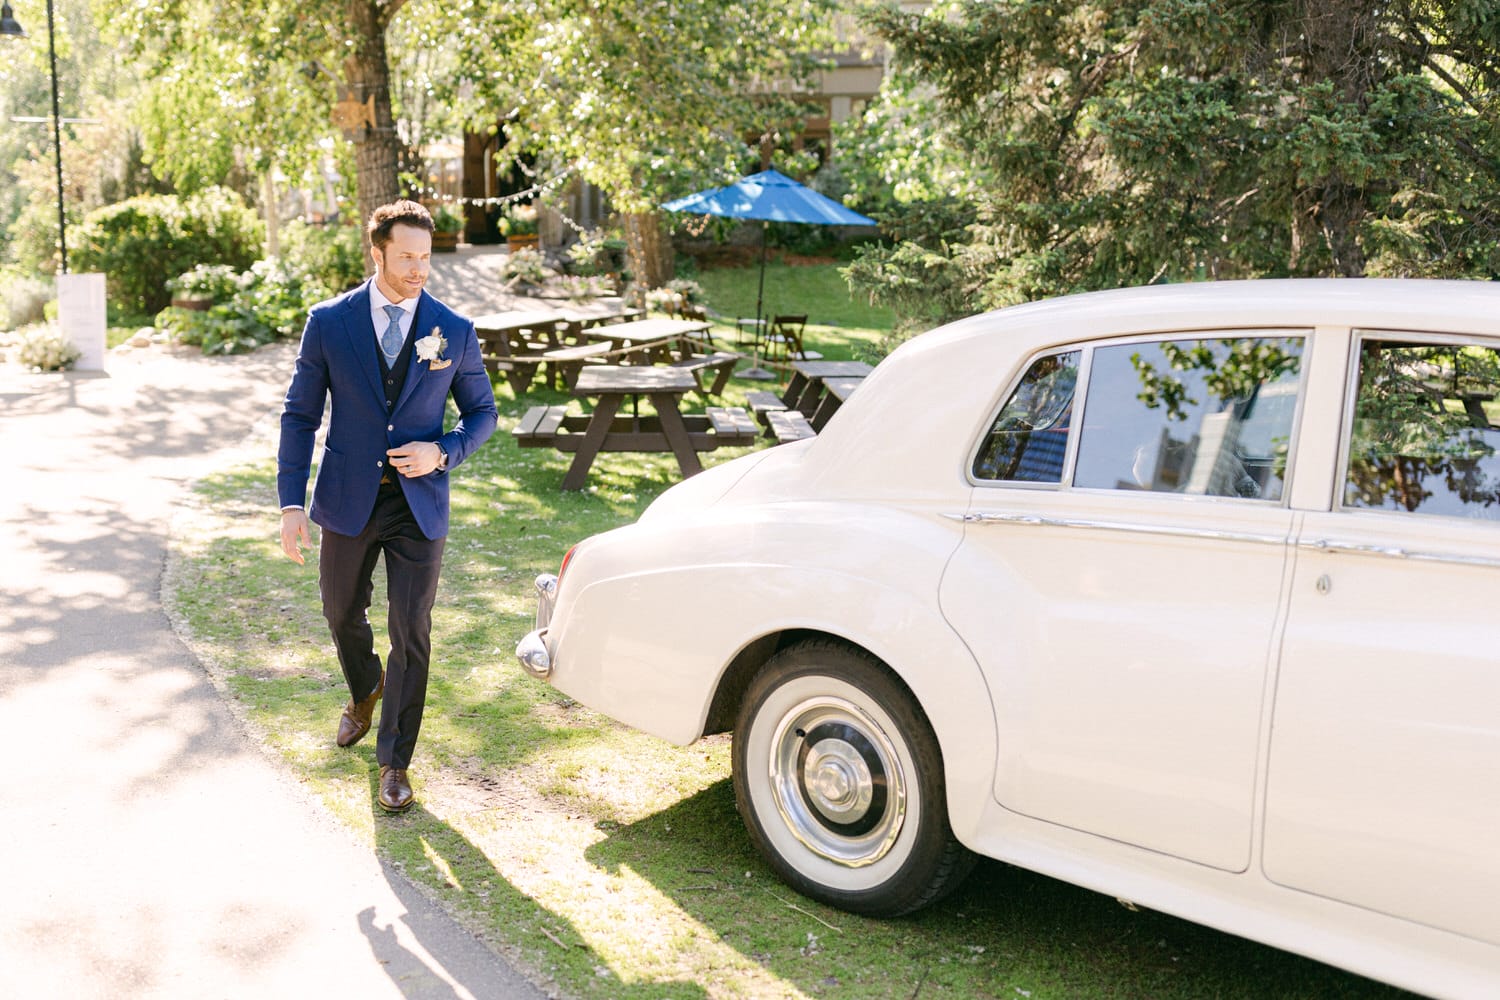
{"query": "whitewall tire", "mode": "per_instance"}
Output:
(839, 780)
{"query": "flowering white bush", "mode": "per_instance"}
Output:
(526, 266)
(44, 348)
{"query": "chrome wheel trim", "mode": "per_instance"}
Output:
(838, 781)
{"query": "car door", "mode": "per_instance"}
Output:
(1119, 583)
(1384, 772)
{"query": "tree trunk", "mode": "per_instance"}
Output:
(367, 73)
(652, 261)
(1339, 42)
(273, 221)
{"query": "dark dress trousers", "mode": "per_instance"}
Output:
(365, 508)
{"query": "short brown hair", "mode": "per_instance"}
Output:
(397, 213)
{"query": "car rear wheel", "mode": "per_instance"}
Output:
(838, 777)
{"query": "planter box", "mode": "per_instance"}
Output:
(444, 242)
(196, 304)
(517, 242)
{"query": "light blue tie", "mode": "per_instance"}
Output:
(390, 340)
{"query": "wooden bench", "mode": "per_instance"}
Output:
(763, 401)
(567, 362)
(539, 425)
(732, 424)
(789, 425)
(720, 364)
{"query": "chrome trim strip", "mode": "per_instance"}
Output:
(1336, 547)
(1038, 520)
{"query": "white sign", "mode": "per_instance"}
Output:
(80, 313)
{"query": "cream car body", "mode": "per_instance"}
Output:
(1279, 716)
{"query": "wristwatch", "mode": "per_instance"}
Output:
(442, 457)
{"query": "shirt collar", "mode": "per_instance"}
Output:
(378, 301)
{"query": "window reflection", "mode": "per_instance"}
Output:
(1426, 430)
(1030, 437)
(1202, 417)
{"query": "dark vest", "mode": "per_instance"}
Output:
(393, 378)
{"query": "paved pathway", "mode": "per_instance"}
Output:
(149, 849)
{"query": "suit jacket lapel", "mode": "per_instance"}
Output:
(361, 332)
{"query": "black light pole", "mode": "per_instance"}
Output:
(9, 26)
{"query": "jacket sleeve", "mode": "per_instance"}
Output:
(475, 397)
(300, 416)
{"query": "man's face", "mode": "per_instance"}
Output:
(401, 266)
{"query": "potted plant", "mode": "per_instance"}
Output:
(447, 225)
(519, 225)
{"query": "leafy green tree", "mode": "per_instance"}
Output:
(1132, 141)
(647, 101)
(253, 84)
(101, 150)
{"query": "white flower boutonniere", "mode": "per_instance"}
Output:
(430, 349)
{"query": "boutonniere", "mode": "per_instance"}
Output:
(430, 349)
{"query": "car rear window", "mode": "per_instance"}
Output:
(1426, 429)
(1029, 439)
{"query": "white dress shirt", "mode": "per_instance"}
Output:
(382, 319)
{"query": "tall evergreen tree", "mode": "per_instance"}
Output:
(1130, 141)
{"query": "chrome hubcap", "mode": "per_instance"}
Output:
(837, 781)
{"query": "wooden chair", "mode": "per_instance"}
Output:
(784, 339)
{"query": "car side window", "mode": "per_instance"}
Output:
(1029, 439)
(1198, 417)
(1426, 430)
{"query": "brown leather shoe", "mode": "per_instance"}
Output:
(395, 791)
(355, 721)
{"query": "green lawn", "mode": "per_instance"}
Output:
(605, 861)
(819, 291)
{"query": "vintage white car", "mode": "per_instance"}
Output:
(1186, 594)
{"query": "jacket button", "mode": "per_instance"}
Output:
(379, 464)
(390, 427)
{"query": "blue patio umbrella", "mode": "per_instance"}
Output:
(770, 197)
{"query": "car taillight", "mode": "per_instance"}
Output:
(564, 567)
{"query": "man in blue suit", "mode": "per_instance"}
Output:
(388, 355)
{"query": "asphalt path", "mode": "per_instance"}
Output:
(150, 849)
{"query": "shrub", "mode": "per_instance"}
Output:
(141, 242)
(332, 253)
(525, 266)
(23, 299)
(44, 348)
(269, 302)
(206, 281)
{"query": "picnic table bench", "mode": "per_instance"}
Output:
(814, 392)
(607, 429)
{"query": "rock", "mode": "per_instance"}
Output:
(142, 337)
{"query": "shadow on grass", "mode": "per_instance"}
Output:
(466, 884)
(1005, 932)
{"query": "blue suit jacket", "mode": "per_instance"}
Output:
(337, 359)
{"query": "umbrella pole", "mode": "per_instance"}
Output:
(755, 371)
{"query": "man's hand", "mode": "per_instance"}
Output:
(294, 534)
(415, 458)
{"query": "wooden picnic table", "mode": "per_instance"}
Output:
(835, 392)
(513, 343)
(806, 403)
(518, 343)
(642, 331)
(607, 429)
